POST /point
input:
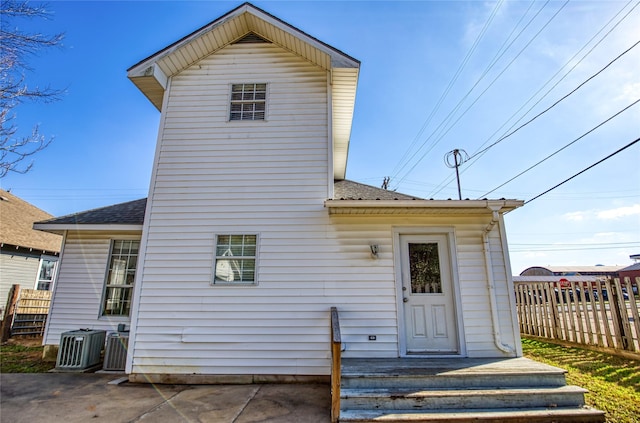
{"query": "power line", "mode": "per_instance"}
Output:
(583, 170)
(459, 105)
(478, 155)
(557, 102)
(499, 53)
(561, 149)
(399, 166)
(450, 85)
(569, 71)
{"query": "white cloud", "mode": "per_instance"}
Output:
(578, 216)
(619, 212)
(610, 214)
(629, 92)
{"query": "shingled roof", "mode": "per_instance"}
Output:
(132, 212)
(349, 190)
(129, 213)
(16, 225)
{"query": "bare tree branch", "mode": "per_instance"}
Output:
(15, 49)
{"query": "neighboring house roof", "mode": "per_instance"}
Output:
(123, 216)
(152, 74)
(16, 225)
(633, 267)
(562, 270)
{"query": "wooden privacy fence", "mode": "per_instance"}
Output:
(603, 313)
(31, 312)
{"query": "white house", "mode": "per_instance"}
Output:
(251, 233)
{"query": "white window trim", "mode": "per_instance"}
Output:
(215, 282)
(266, 103)
(132, 286)
(55, 271)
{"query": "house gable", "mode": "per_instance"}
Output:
(152, 74)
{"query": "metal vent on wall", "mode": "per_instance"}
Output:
(80, 349)
(115, 352)
(251, 38)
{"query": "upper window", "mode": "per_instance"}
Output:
(120, 278)
(235, 259)
(248, 101)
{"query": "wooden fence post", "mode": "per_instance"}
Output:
(621, 316)
(12, 299)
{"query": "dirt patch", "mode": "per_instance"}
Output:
(31, 341)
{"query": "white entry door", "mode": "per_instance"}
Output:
(427, 295)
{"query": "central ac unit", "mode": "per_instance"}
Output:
(80, 349)
(115, 352)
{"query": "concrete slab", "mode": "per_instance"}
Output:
(71, 398)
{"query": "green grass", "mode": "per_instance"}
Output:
(22, 359)
(613, 382)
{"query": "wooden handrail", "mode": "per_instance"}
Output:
(336, 363)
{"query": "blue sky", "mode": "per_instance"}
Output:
(435, 76)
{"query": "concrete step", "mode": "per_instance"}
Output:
(459, 390)
(453, 381)
(404, 399)
(449, 374)
(515, 415)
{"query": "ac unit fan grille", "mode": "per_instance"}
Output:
(80, 349)
(115, 353)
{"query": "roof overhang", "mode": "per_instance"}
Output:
(419, 207)
(60, 229)
(151, 75)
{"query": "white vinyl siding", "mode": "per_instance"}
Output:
(369, 287)
(271, 178)
(78, 293)
(214, 176)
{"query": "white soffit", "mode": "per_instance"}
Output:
(224, 31)
(97, 227)
(419, 207)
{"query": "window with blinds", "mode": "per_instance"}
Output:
(248, 101)
(120, 277)
(235, 260)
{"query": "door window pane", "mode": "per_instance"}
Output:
(424, 267)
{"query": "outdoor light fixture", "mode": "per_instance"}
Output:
(374, 250)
